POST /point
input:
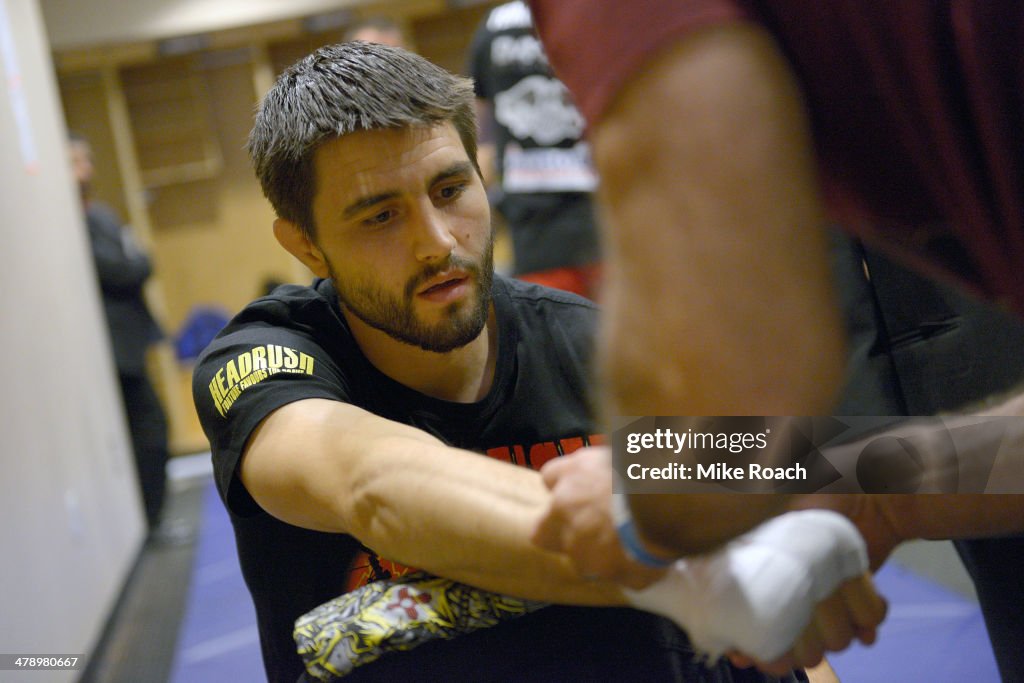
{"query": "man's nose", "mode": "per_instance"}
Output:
(433, 238)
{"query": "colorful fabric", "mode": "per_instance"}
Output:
(399, 614)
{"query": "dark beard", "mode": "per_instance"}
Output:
(398, 319)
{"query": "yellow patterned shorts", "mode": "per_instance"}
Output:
(393, 615)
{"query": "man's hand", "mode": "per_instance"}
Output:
(579, 521)
(869, 514)
(778, 597)
(852, 612)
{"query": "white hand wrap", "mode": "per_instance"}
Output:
(758, 593)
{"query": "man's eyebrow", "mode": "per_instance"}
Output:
(364, 203)
(459, 168)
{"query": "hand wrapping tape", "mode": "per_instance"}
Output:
(757, 594)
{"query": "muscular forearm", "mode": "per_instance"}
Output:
(951, 516)
(412, 499)
(719, 299)
(969, 453)
(468, 518)
(983, 451)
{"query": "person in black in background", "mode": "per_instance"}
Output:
(123, 268)
(533, 154)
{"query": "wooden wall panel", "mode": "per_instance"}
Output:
(444, 39)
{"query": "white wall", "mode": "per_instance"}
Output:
(70, 518)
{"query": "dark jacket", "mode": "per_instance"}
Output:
(123, 270)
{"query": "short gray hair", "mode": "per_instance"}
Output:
(342, 89)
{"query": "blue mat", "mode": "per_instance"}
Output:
(932, 635)
(218, 640)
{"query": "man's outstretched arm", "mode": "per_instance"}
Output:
(333, 467)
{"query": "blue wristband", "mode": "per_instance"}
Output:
(634, 547)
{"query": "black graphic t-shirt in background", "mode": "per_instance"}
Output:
(295, 345)
(544, 163)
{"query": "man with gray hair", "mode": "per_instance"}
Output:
(349, 420)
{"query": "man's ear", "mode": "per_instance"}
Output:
(297, 243)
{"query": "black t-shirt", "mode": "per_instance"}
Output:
(295, 344)
(544, 163)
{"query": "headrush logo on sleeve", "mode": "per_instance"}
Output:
(252, 367)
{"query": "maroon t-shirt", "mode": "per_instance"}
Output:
(917, 108)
